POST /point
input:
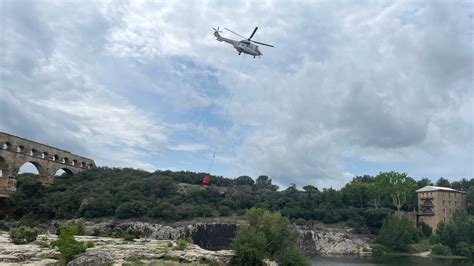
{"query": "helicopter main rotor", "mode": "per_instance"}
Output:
(250, 38)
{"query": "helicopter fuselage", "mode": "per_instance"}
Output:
(243, 46)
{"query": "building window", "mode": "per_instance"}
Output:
(443, 202)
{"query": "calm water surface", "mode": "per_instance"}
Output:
(387, 260)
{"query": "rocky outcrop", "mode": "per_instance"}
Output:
(316, 240)
(108, 250)
(211, 235)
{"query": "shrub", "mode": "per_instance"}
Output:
(76, 228)
(130, 235)
(224, 211)
(181, 244)
(90, 244)
(425, 230)
(293, 256)
(434, 239)
(397, 233)
(67, 245)
(417, 248)
(439, 249)
(249, 245)
(464, 249)
(132, 209)
(23, 235)
(378, 249)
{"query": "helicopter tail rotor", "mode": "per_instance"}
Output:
(216, 32)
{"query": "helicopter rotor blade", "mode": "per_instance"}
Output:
(256, 28)
(217, 29)
(263, 43)
(235, 33)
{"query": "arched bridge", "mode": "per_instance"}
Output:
(16, 151)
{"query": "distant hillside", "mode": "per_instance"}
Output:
(171, 196)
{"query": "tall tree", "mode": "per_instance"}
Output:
(423, 183)
(400, 186)
(443, 182)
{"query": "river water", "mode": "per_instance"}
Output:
(387, 260)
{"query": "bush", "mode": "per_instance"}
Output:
(293, 256)
(267, 235)
(23, 235)
(224, 211)
(425, 230)
(439, 249)
(434, 239)
(464, 249)
(76, 228)
(133, 209)
(130, 235)
(418, 247)
(249, 245)
(67, 245)
(397, 233)
(378, 249)
(181, 244)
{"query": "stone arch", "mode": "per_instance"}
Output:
(65, 160)
(74, 162)
(44, 155)
(20, 148)
(38, 166)
(6, 146)
(55, 158)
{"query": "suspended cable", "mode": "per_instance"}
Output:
(226, 115)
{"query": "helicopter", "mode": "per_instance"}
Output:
(244, 46)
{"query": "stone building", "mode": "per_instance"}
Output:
(439, 204)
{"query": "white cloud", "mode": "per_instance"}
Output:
(383, 83)
(191, 147)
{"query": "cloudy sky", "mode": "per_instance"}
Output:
(351, 87)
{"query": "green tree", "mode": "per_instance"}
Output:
(459, 229)
(399, 187)
(397, 233)
(423, 183)
(356, 194)
(244, 180)
(470, 201)
(131, 209)
(443, 182)
(249, 245)
(267, 235)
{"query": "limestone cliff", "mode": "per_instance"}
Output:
(316, 239)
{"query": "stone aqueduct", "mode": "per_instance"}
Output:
(16, 151)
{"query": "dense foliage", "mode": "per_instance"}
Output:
(23, 235)
(458, 234)
(267, 235)
(126, 193)
(67, 245)
(397, 233)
